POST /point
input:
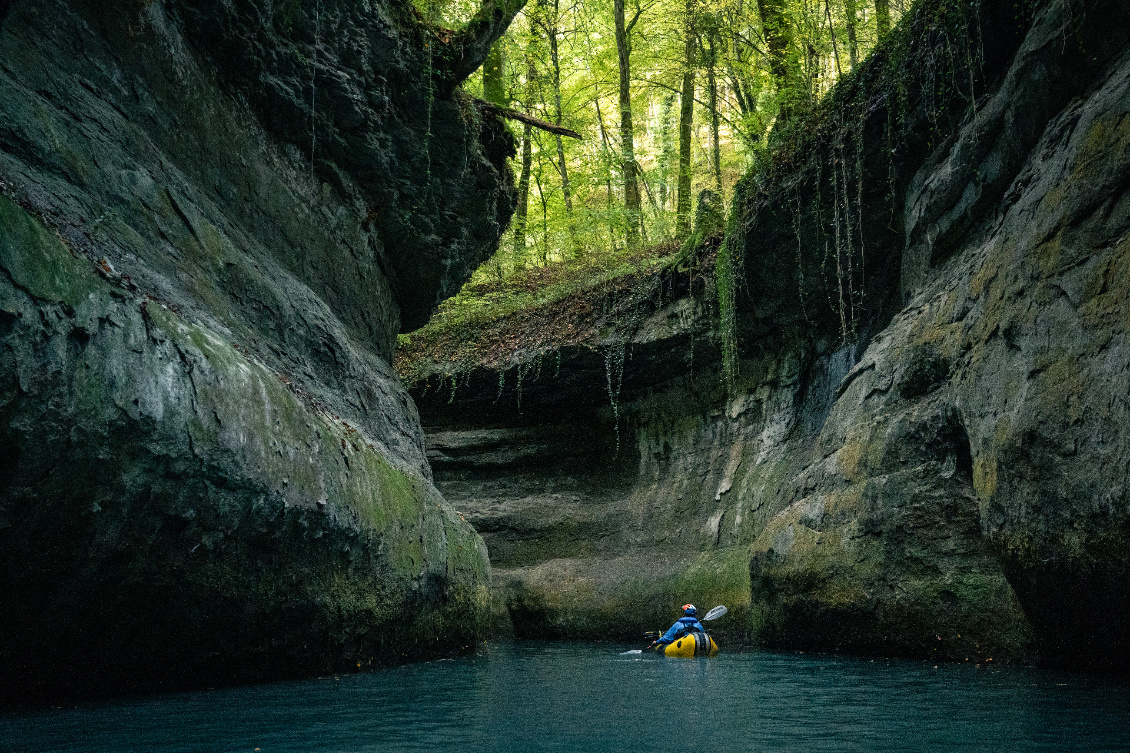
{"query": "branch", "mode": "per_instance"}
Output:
(469, 47)
(639, 9)
(632, 23)
(661, 85)
(521, 117)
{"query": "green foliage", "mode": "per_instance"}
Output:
(920, 83)
(727, 268)
(584, 240)
(797, 133)
(475, 327)
(748, 103)
(726, 274)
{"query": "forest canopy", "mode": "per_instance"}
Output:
(671, 98)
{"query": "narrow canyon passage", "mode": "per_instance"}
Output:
(375, 374)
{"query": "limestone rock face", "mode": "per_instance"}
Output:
(595, 476)
(981, 425)
(215, 217)
(926, 459)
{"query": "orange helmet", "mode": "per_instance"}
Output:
(689, 610)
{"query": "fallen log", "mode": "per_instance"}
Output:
(506, 112)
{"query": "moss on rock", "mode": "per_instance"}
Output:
(209, 474)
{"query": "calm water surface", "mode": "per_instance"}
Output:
(588, 698)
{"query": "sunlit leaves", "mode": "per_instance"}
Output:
(749, 101)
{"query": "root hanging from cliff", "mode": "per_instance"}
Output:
(314, 84)
(838, 245)
(726, 285)
(798, 213)
(614, 356)
(454, 380)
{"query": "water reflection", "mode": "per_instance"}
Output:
(586, 698)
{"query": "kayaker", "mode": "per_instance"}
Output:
(685, 625)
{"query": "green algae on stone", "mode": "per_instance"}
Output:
(37, 261)
(232, 528)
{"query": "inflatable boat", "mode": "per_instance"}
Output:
(694, 643)
(689, 646)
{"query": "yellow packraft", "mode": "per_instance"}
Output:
(690, 645)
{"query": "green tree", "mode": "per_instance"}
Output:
(740, 70)
(686, 121)
(627, 132)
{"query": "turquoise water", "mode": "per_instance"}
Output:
(585, 698)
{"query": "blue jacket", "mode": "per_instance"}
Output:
(682, 626)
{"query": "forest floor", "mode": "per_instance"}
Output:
(492, 321)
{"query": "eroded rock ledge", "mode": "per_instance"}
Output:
(936, 468)
(215, 217)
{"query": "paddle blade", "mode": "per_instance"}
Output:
(633, 651)
(715, 613)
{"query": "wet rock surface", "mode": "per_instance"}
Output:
(1016, 371)
(946, 483)
(215, 219)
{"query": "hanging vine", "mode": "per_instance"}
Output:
(314, 84)
(725, 284)
(921, 83)
(614, 356)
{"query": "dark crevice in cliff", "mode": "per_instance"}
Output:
(1079, 615)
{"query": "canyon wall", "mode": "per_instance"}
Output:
(917, 442)
(215, 217)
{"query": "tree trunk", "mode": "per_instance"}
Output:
(523, 194)
(555, 61)
(779, 40)
(744, 87)
(627, 136)
(544, 255)
(494, 76)
(737, 66)
(686, 120)
(712, 87)
(882, 17)
(667, 149)
(562, 166)
(607, 171)
(521, 220)
(832, 36)
(853, 41)
(739, 91)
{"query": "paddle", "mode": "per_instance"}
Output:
(713, 614)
